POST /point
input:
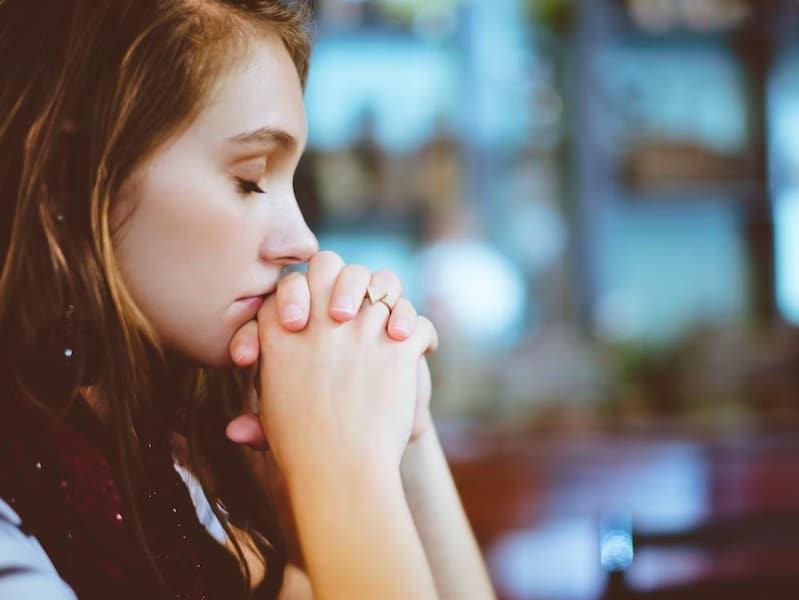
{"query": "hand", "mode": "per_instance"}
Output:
(294, 306)
(294, 300)
(344, 386)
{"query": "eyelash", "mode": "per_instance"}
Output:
(249, 187)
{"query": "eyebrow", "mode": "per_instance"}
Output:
(265, 135)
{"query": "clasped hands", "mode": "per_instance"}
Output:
(340, 355)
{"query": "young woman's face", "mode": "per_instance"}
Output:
(199, 246)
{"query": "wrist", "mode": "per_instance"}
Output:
(347, 518)
(330, 477)
(420, 458)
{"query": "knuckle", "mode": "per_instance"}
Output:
(294, 276)
(387, 276)
(429, 330)
(357, 271)
(326, 264)
(405, 306)
(326, 257)
(293, 281)
(388, 280)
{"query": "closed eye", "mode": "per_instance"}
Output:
(247, 187)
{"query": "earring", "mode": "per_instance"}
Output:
(69, 332)
(64, 355)
(80, 355)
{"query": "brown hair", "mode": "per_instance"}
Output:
(91, 88)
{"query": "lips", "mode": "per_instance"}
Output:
(259, 296)
(251, 298)
(254, 302)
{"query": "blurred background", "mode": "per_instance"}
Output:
(597, 203)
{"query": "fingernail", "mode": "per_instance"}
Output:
(292, 313)
(344, 306)
(240, 353)
(401, 327)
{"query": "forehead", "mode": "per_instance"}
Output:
(260, 88)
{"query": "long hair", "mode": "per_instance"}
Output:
(88, 90)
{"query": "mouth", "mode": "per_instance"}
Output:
(251, 300)
(256, 300)
(264, 294)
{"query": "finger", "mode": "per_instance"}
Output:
(323, 269)
(247, 429)
(424, 336)
(402, 321)
(348, 292)
(267, 317)
(294, 301)
(384, 285)
(244, 347)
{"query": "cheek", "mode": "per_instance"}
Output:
(183, 228)
(179, 252)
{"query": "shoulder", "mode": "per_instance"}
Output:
(25, 569)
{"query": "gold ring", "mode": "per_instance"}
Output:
(375, 297)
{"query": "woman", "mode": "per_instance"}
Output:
(147, 150)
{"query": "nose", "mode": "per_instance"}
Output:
(289, 240)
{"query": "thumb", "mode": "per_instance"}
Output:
(247, 429)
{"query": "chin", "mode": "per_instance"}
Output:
(220, 362)
(211, 355)
(211, 348)
(219, 358)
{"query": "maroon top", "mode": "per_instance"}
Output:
(57, 475)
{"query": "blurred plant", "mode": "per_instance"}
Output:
(554, 15)
(712, 376)
(646, 380)
(406, 11)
